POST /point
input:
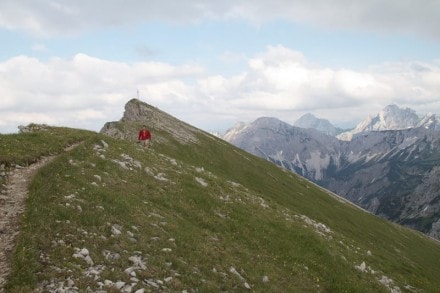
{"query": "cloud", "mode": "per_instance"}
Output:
(48, 17)
(281, 82)
(401, 16)
(85, 91)
(82, 91)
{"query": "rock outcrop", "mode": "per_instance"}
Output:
(138, 113)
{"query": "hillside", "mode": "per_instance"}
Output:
(194, 213)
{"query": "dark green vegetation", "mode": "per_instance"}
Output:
(199, 215)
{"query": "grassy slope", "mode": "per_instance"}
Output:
(264, 222)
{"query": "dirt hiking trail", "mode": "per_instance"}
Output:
(12, 206)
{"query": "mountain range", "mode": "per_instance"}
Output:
(388, 164)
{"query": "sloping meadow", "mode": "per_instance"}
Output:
(203, 215)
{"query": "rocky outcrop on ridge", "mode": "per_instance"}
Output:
(138, 113)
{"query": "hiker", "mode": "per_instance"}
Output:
(144, 136)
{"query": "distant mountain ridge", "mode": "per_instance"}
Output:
(390, 118)
(310, 121)
(389, 172)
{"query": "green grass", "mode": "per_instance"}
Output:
(252, 216)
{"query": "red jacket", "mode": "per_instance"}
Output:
(144, 134)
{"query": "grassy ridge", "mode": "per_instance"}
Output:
(26, 148)
(203, 216)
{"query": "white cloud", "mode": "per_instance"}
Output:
(396, 16)
(282, 83)
(48, 17)
(82, 91)
(86, 92)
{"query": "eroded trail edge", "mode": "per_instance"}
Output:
(12, 206)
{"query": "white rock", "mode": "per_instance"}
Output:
(119, 284)
(89, 260)
(201, 181)
(116, 230)
(138, 262)
(362, 267)
(127, 289)
(72, 196)
(129, 270)
(168, 279)
(137, 164)
(152, 283)
(94, 272)
(265, 279)
(84, 251)
(234, 271)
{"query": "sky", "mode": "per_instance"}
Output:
(215, 63)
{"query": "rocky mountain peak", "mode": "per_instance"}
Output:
(389, 118)
(393, 118)
(270, 122)
(430, 121)
(136, 110)
(310, 121)
(138, 113)
(232, 132)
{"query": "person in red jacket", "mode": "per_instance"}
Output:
(144, 136)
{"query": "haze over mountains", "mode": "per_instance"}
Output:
(388, 164)
(310, 121)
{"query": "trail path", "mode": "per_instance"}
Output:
(12, 206)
